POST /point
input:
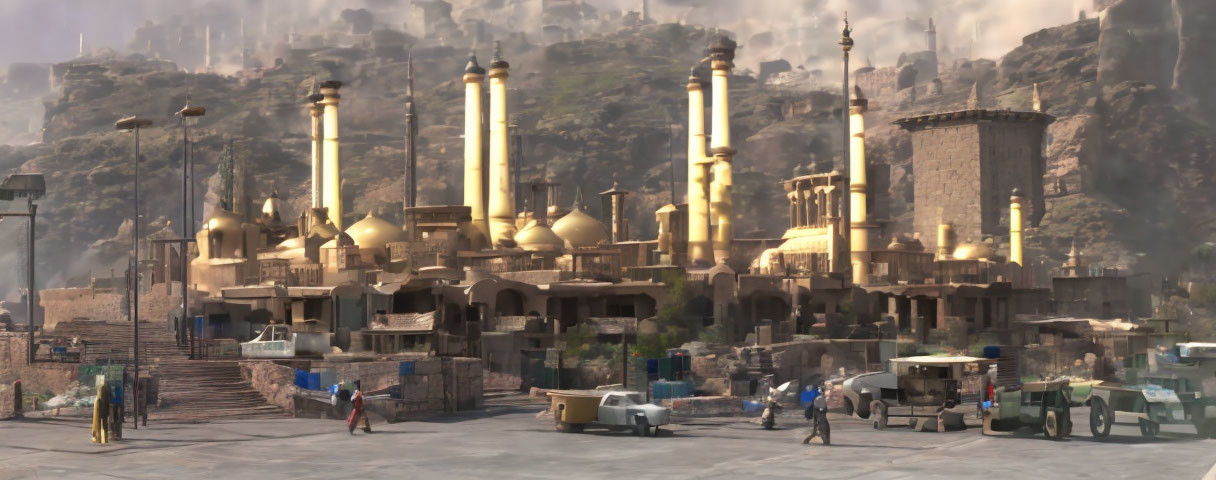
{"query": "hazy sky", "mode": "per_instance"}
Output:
(47, 30)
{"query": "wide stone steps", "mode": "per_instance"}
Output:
(190, 390)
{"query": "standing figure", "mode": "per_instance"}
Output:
(358, 414)
(819, 425)
(101, 414)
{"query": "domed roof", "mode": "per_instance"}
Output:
(225, 222)
(272, 208)
(538, 237)
(293, 242)
(974, 251)
(374, 232)
(580, 230)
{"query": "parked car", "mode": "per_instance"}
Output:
(862, 390)
(1042, 406)
(572, 412)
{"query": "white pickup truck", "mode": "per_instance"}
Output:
(278, 341)
(616, 410)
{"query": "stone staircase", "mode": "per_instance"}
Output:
(200, 391)
(190, 390)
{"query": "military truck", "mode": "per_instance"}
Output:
(1042, 406)
(1179, 388)
(932, 384)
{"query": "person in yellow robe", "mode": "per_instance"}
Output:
(101, 414)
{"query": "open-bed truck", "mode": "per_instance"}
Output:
(573, 411)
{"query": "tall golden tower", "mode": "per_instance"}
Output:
(332, 175)
(502, 202)
(700, 250)
(1015, 227)
(474, 188)
(722, 56)
(859, 225)
(315, 110)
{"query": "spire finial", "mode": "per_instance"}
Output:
(409, 74)
(578, 198)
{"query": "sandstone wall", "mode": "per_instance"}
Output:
(275, 382)
(39, 378)
(64, 304)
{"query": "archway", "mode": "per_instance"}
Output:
(508, 303)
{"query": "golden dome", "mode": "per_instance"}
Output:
(272, 208)
(374, 232)
(580, 230)
(974, 251)
(537, 237)
(224, 232)
(293, 242)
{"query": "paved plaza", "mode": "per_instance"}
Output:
(508, 440)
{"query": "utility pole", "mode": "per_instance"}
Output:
(188, 114)
(134, 123)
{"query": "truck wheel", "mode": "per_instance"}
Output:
(880, 415)
(1051, 426)
(864, 404)
(848, 406)
(1101, 418)
(1149, 429)
(641, 427)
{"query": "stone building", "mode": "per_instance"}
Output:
(966, 162)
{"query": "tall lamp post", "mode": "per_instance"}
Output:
(133, 124)
(189, 115)
(32, 187)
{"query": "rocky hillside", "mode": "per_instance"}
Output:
(1129, 159)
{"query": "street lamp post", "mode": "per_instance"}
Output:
(33, 187)
(133, 124)
(189, 115)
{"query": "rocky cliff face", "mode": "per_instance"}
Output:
(1129, 158)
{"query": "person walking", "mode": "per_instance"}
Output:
(358, 414)
(101, 414)
(819, 425)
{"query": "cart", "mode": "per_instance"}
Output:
(926, 388)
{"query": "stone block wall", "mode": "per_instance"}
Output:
(946, 175)
(39, 378)
(7, 408)
(64, 304)
(275, 382)
(968, 172)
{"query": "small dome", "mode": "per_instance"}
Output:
(580, 230)
(224, 234)
(537, 237)
(293, 242)
(272, 208)
(374, 232)
(974, 251)
(225, 222)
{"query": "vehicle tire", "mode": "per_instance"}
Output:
(1101, 418)
(848, 407)
(1149, 429)
(879, 410)
(641, 427)
(864, 402)
(1051, 426)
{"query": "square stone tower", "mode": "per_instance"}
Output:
(965, 164)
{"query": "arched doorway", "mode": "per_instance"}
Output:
(413, 301)
(508, 303)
